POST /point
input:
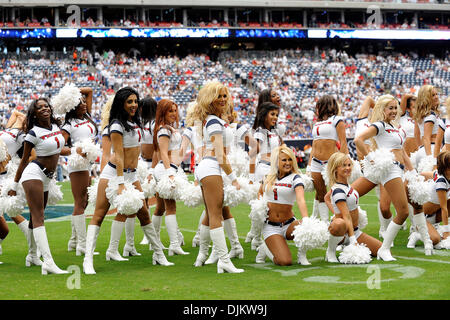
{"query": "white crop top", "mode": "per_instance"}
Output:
(13, 138)
(105, 131)
(361, 125)
(344, 192)
(326, 129)
(407, 124)
(213, 125)
(132, 138)
(79, 129)
(173, 135)
(46, 142)
(444, 124)
(430, 118)
(388, 136)
(283, 190)
(440, 183)
(148, 132)
(268, 140)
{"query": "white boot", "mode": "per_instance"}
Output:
(23, 226)
(157, 226)
(213, 257)
(323, 212)
(144, 240)
(231, 230)
(158, 254)
(129, 249)
(333, 242)
(172, 230)
(196, 239)
(205, 239)
(251, 234)
(257, 240)
(384, 253)
(72, 244)
(421, 224)
(32, 258)
(91, 241)
(224, 263)
(383, 222)
(263, 253)
(315, 210)
(412, 228)
(49, 265)
(301, 258)
(113, 249)
(79, 223)
(412, 239)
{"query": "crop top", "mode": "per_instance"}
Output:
(326, 129)
(430, 118)
(444, 124)
(173, 135)
(132, 138)
(46, 142)
(440, 183)
(213, 125)
(13, 138)
(344, 192)
(407, 124)
(268, 140)
(361, 125)
(148, 132)
(283, 190)
(388, 136)
(79, 129)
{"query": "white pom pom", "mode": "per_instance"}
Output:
(307, 182)
(3, 151)
(419, 190)
(426, 164)
(12, 205)
(379, 165)
(259, 210)
(142, 172)
(12, 166)
(67, 99)
(250, 190)
(166, 188)
(91, 149)
(413, 158)
(324, 173)
(356, 172)
(55, 194)
(445, 244)
(77, 162)
(233, 197)
(310, 234)
(362, 218)
(355, 254)
(92, 192)
(192, 196)
(239, 161)
(129, 201)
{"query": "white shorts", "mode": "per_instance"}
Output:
(70, 169)
(270, 230)
(317, 165)
(109, 172)
(147, 162)
(160, 170)
(395, 172)
(34, 172)
(422, 154)
(261, 170)
(208, 166)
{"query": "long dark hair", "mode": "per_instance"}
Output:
(443, 162)
(264, 96)
(326, 107)
(262, 112)
(147, 109)
(72, 114)
(117, 108)
(31, 117)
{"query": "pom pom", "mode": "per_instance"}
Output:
(259, 210)
(12, 205)
(413, 158)
(426, 164)
(192, 195)
(445, 244)
(324, 173)
(232, 196)
(310, 234)
(171, 189)
(129, 201)
(55, 194)
(3, 151)
(355, 254)
(67, 99)
(307, 182)
(91, 149)
(377, 164)
(76, 161)
(250, 190)
(362, 218)
(92, 192)
(239, 160)
(11, 167)
(419, 190)
(142, 172)
(356, 172)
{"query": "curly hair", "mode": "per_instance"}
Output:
(31, 117)
(424, 103)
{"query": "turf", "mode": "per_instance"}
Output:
(412, 276)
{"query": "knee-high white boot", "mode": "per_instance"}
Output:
(79, 222)
(251, 234)
(231, 230)
(412, 228)
(32, 258)
(23, 226)
(224, 263)
(263, 253)
(172, 230)
(129, 249)
(384, 223)
(323, 212)
(72, 244)
(196, 239)
(315, 210)
(49, 265)
(421, 224)
(205, 239)
(156, 221)
(113, 249)
(158, 254)
(91, 241)
(333, 242)
(384, 253)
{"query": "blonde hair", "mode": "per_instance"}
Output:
(379, 115)
(273, 173)
(336, 160)
(104, 117)
(424, 103)
(447, 104)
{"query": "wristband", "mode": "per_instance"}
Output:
(446, 228)
(353, 240)
(120, 180)
(231, 176)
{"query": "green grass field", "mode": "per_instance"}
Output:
(412, 276)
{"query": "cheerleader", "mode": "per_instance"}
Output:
(211, 104)
(386, 134)
(13, 138)
(167, 145)
(282, 187)
(44, 136)
(344, 201)
(426, 118)
(406, 122)
(79, 126)
(436, 209)
(147, 109)
(125, 135)
(328, 131)
(443, 134)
